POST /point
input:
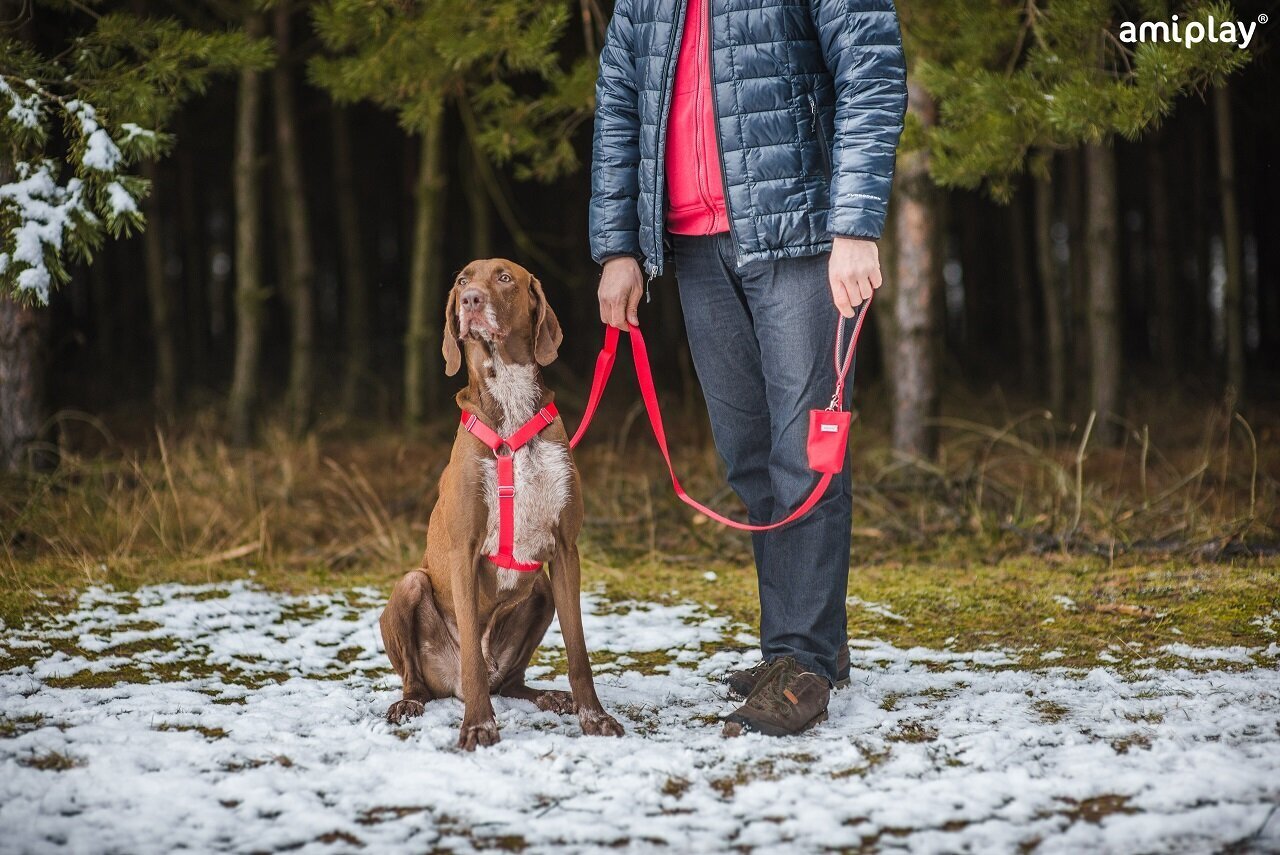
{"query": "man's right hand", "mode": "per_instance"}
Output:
(621, 286)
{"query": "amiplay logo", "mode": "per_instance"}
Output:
(1192, 32)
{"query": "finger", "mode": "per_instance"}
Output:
(864, 287)
(877, 278)
(840, 296)
(855, 295)
(633, 306)
(606, 314)
(619, 315)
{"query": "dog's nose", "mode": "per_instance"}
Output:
(472, 300)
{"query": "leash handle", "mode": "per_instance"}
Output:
(604, 367)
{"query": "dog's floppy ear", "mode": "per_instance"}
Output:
(546, 326)
(449, 347)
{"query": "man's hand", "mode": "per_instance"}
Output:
(621, 286)
(854, 272)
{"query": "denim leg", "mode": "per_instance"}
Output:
(762, 341)
(726, 358)
(803, 568)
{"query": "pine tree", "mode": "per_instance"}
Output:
(424, 59)
(78, 117)
(1017, 80)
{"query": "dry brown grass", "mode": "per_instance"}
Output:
(187, 506)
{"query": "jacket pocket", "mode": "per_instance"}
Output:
(819, 139)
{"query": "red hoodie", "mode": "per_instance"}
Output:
(695, 186)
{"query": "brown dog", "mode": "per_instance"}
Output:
(460, 625)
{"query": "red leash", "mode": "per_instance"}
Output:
(828, 437)
(828, 429)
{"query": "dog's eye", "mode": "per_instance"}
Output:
(462, 280)
(504, 277)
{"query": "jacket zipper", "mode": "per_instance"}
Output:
(660, 190)
(715, 116)
(818, 137)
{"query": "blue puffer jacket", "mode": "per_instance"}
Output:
(809, 98)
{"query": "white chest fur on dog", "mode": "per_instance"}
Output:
(542, 472)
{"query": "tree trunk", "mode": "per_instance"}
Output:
(1104, 289)
(300, 287)
(23, 334)
(1232, 249)
(422, 339)
(478, 205)
(165, 389)
(1077, 282)
(1055, 345)
(250, 295)
(196, 353)
(1023, 298)
(915, 363)
(355, 319)
(1164, 324)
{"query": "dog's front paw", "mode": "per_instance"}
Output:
(403, 709)
(555, 701)
(471, 735)
(599, 723)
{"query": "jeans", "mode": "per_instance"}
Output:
(762, 339)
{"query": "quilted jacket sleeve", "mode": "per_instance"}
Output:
(862, 45)
(615, 147)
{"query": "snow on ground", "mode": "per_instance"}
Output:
(249, 721)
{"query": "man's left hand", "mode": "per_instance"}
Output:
(854, 272)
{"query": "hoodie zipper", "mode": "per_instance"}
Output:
(818, 137)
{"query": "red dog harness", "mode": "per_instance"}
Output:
(504, 452)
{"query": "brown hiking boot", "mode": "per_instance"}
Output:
(741, 683)
(786, 700)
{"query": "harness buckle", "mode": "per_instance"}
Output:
(505, 492)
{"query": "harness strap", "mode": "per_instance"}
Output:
(504, 450)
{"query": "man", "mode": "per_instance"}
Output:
(754, 140)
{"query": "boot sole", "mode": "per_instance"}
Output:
(770, 730)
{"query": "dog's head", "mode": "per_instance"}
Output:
(498, 302)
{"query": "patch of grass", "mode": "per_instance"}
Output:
(1098, 808)
(675, 787)
(18, 725)
(51, 761)
(913, 732)
(349, 839)
(870, 760)
(210, 733)
(1050, 711)
(376, 815)
(102, 679)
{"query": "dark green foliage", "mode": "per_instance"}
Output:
(74, 123)
(1012, 77)
(499, 58)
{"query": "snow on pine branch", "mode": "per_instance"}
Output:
(52, 208)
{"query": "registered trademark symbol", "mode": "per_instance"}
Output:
(1262, 19)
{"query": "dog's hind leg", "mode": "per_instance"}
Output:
(409, 616)
(521, 631)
